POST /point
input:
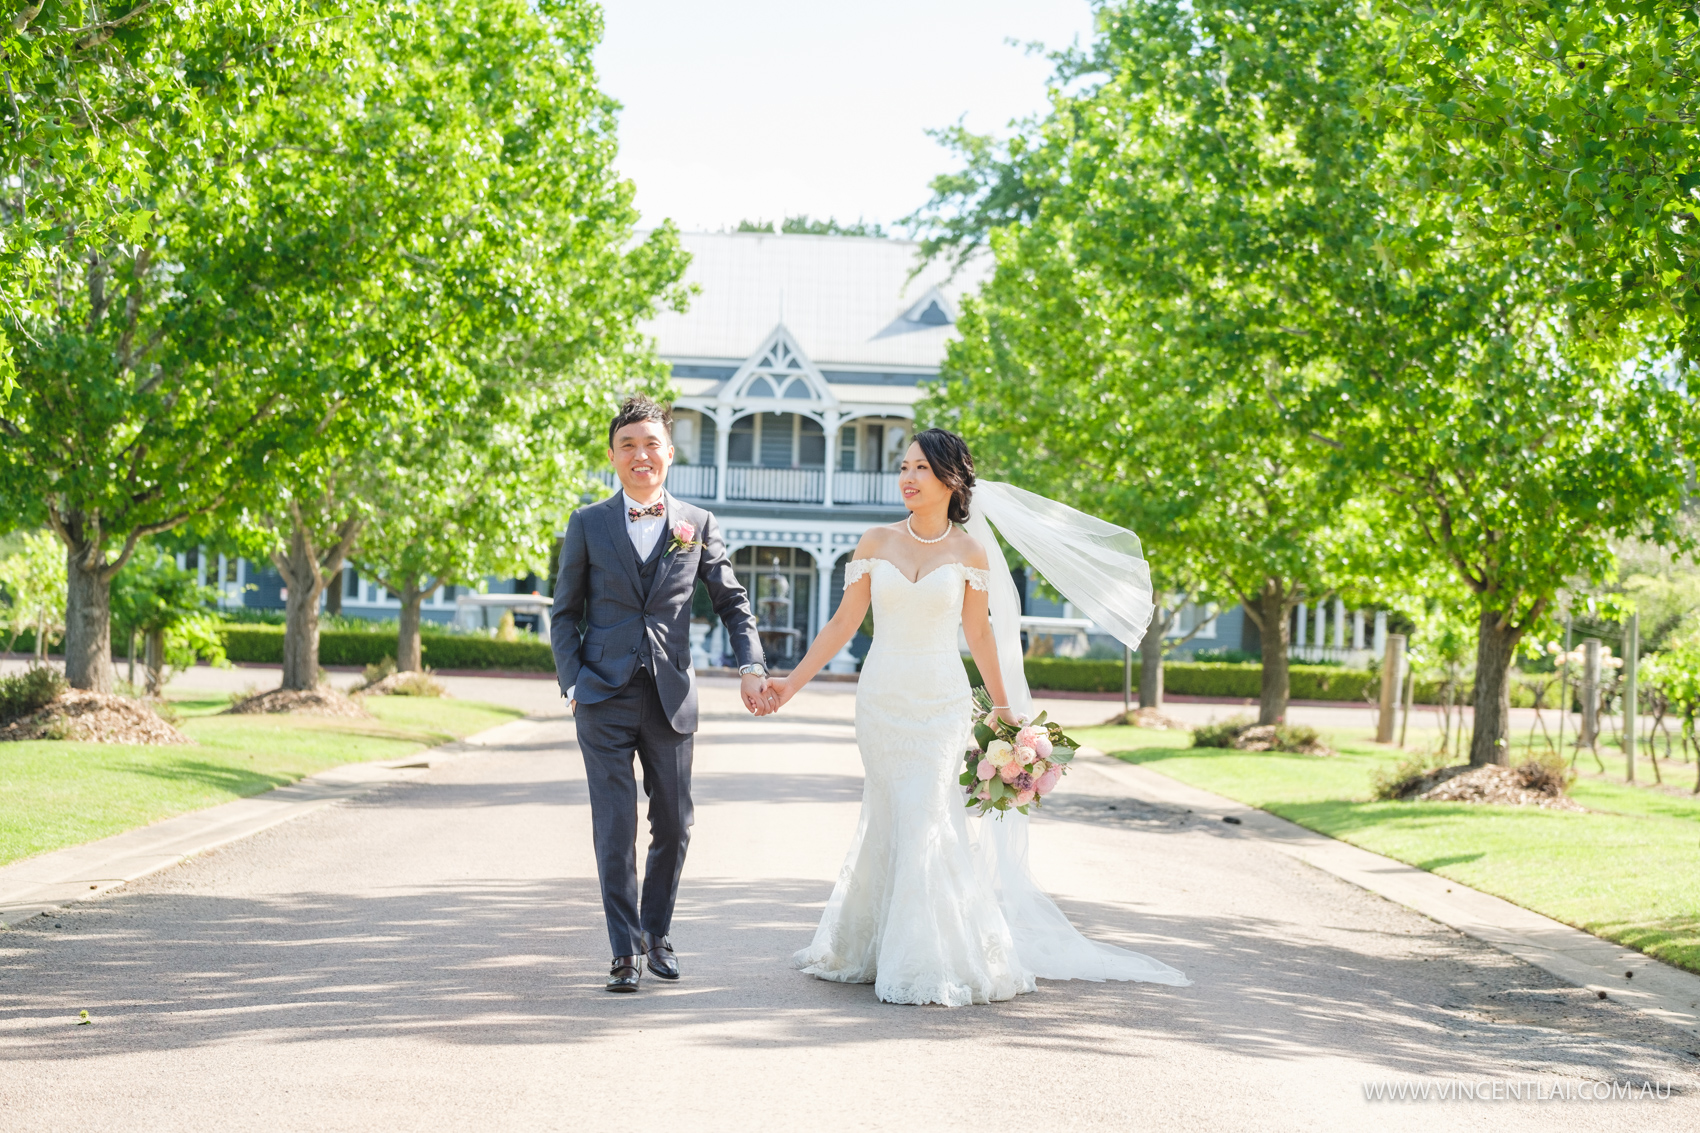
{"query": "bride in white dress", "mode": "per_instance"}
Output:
(924, 910)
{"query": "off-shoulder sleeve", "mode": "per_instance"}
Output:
(856, 570)
(980, 580)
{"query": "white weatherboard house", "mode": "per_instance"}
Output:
(798, 364)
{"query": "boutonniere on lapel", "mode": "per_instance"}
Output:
(684, 537)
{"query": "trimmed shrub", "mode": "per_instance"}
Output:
(263, 645)
(1220, 734)
(29, 691)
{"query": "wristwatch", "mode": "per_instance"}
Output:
(754, 669)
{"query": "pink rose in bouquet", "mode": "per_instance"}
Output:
(1010, 770)
(985, 770)
(1024, 797)
(1048, 781)
(1035, 738)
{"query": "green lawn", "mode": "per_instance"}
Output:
(1628, 870)
(60, 794)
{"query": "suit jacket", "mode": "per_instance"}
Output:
(604, 621)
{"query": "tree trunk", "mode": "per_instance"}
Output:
(301, 627)
(88, 621)
(333, 595)
(1273, 608)
(1495, 648)
(1151, 661)
(408, 655)
(154, 661)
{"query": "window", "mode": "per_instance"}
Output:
(351, 583)
(811, 443)
(741, 441)
(776, 431)
(761, 387)
(933, 316)
(685, 439)
(799, 390)
(873, 447)
(896, 441)
(847, 449)
(230, 565)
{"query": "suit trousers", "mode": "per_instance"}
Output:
(610, 732)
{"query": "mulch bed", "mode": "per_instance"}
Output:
(321, 701)
(94, 717)
(1146, 718)
(404, 684)
(1528, 785)
(1263, 737)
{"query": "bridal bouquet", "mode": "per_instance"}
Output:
(1011, 766)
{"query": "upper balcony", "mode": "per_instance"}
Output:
(700, 482)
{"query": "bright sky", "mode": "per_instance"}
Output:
(764, 108)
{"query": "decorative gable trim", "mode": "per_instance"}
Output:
(779, 371)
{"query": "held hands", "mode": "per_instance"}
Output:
(1006, 716)
(757, 693)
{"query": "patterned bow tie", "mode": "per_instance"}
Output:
(655, 509)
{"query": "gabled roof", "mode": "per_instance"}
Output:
(848, 301)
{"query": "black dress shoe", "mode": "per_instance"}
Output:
(663, 964)
(623, 976)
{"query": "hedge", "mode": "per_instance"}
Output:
(260, 644)
(1223, 679)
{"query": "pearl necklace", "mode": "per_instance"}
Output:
(910, 524)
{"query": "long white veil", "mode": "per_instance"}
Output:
(1099, 567)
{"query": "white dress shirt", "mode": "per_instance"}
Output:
(643, 533)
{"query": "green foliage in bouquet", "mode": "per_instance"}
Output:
(1028, 790)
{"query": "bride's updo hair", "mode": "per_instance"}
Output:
(953, 464)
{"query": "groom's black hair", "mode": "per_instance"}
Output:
(639, 408)
(953, 464)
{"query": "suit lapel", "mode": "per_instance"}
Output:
(620, 541)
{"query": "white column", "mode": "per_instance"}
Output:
(722, 433)
(823, 600)
(829, 422)
(1303, 623)
(1320, 637)
(1340, 623)
(1380, 645)
(1357, 629)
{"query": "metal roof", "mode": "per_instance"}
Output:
(848, 301)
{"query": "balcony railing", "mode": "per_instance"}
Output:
(778, 485)
(694, 481)
(865, 488)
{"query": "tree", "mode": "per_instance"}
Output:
(98, 106)
(483, 488)
(805, 225)
(1558, 127)
(495, 237)
(1145, 292)
(152, 379)
(1220, 183)
(33, 577)
(167, 607)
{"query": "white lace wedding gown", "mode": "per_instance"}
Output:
(921, 910)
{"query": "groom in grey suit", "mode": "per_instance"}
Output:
(620, 629)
